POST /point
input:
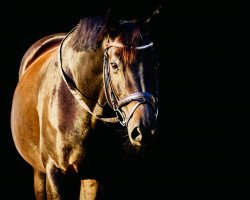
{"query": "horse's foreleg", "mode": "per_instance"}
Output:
(91, 190)
(61, 185)
(39, 185)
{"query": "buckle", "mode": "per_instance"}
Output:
(120, 117)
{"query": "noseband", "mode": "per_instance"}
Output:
(114, 101)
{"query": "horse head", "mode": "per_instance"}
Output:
(130, 77)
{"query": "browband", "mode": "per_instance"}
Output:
(119, 45)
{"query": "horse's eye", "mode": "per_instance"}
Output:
(114, 66)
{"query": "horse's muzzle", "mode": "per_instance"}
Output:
(142, 127)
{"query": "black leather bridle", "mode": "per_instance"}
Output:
(116, 103)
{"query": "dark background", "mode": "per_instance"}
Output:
(202, 148)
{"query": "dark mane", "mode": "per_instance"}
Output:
(130, 35)
(92, 30)
(89, 34)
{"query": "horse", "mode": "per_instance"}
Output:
(101, 73)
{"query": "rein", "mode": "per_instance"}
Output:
(112, 99)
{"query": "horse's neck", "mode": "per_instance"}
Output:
(85, 69)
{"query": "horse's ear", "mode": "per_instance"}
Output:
(112, 23)
(148, 22)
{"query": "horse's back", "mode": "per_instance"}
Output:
(40, 47)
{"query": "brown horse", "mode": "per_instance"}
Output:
(65, 81)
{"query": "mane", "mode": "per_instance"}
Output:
(89, 34)
(130, 35)
(91, 31)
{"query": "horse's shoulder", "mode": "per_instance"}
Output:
(38, 48)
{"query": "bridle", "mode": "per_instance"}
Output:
(112, 99)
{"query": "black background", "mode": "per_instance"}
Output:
(202, 148)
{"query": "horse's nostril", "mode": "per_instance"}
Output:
(154, 132)
(143, 138)
(136, 135)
